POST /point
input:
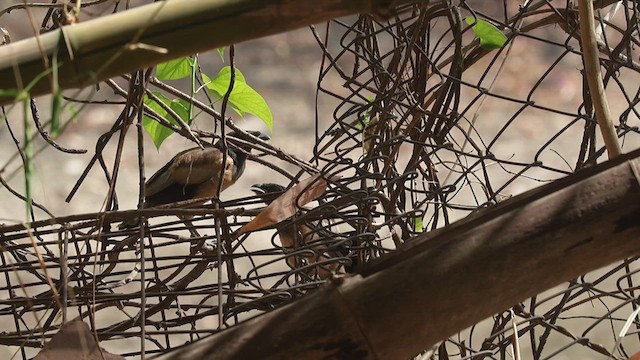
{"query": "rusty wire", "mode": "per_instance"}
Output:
(427, 127)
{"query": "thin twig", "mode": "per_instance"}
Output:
(594, 78)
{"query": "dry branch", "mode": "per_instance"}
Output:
(449, 279)
(591, 61)
(286, 205)
(75, 341)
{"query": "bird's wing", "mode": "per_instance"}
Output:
(192, 166)
(159, 181)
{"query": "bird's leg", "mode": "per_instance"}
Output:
(192, 229)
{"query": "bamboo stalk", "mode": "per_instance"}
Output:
(99, 49)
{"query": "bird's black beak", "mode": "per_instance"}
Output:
(257, 134)
(268, 191)
(243, 136)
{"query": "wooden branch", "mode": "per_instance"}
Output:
(591, 59)
(447, 280)
(99, 49)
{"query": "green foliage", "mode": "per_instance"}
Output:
(489, 35)
(56, 100)
(17, 96)
(24, 94)
(417, 224)
(243, 98)
(157, 131)
(175, 69)
(56, 109)
(365, 117)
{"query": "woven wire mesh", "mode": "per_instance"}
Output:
(427, 127)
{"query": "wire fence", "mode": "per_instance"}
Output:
(428, 126)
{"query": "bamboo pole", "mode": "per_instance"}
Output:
(92, 51)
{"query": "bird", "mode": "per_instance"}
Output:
(307, 239)
(195, 174)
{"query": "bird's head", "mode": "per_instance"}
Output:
(268, 191)
(257, 134)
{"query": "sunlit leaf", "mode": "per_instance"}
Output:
(417, 227)
(365, 116)
(180, 109)
(220, 83)
(490, 36)
(175, 69)
(243, 98)
(157, 131)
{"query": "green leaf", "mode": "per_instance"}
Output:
(221, 53)
(56, 109)
(15, 94)
(175, 69)
(243, 98)
(220, 83)
(186, 105)
(157, 131)
(365, 117)
(181, 110)
(417, 224)
(489, 35)
(9, 93)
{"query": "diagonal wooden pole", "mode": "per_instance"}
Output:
(445, 281)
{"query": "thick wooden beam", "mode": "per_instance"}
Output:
(99, 49)
(446, 280)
